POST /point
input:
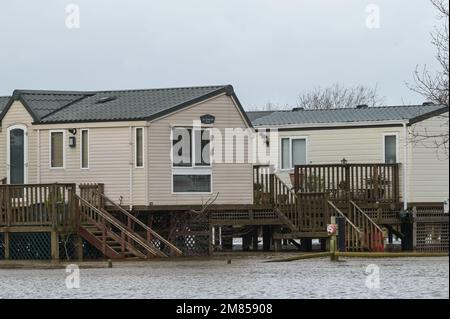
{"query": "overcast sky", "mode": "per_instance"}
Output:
(269, 50)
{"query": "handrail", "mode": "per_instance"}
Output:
(346, 218)
(366, 216)
(36, 185)
(120, 227)
(140, 223)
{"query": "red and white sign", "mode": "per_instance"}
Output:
(331, 229)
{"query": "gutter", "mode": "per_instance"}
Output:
(405, 165)
(131, 168)
(328, 125)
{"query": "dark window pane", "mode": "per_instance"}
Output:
(57, 150)
(139, 147)
(285, 162)
(192, 183)
(17, 158)
(84, 149)
(202, 147)
(390, 149)
(298, 152)
(181, 147)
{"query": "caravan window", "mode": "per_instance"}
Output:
(191, 160)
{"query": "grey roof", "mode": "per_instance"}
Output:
(43, 104)
(347, 115)
(64, 107)
(254, 115)
(3, 101)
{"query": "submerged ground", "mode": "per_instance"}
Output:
(248, 277)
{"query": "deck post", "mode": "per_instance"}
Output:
(227, 242)
(78, 248)
(246, 242)
(255, 238)
(277, 243)
(267, 238)
(7, 245)
(54, 245)
(306, 244)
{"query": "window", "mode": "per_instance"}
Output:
(57, 149)
(84, 149)
(139, 147)
(390, 149)
(191, 160)
(293, 152)
(191, 183)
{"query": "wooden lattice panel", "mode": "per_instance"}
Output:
(2, 246)
(432, 237)
(29, 246)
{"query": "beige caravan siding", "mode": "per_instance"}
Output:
(330, 146)
(233, 182)
(109, 163)
(17, 114)
(429, 171)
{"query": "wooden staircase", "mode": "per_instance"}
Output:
(115, 238)
(306, 214)
(361, 232)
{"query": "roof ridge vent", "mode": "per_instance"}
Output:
(106, 99)
(299, 108)
(427, 103)
(362, 106)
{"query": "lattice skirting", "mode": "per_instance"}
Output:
(432, 237)
(29, 246)
(2, 246)
(68, 249)
(194, 244)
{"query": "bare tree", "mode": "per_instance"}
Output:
(434, 86)
(338, 96)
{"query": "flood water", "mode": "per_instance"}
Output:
(244, 278)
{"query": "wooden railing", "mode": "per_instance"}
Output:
(132, 221)
(94, 194)
(313, 212)
(261, 185)
(50, 205)
(112, 227)
(301, 211)
(373, 234)
(367, 183)
(284, 201)
(353, 235)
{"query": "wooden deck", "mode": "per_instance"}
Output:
(365, 197)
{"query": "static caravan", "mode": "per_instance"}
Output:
(124, 171)
(123, 139)
(388, 161)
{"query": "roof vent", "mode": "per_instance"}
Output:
(427, 103)
(362, 106)
(295, 109)
(106, 99)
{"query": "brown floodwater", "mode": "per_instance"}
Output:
(244, 278)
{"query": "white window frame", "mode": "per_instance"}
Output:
(397, 146)
(50, 149)
(88, 149)
(25, 153)
(136, 146)
(193, 169)
(291, 138)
